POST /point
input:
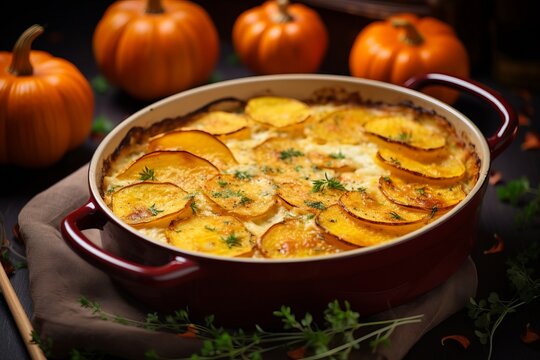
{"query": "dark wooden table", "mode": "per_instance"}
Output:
(68, 35)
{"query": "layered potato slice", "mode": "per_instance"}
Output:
(421, 195)
(242, 194)
(277, 111)
(282, 156)
(374, 207)
(440, 168)
(197, 142)
(300, 194)
(182, 168)
(219, 122)
(336, 221)
(406, 131)
(344, 126)
(150, 204)
(217, 235)
(294, 238)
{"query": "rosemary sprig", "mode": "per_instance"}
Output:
(335, 340)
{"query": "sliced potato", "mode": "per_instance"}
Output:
(281, 154)
(374, 207)
(344, 126)
(299, 194)
(420, 195)
(294, 238)
(441, 168)
(150, 204)
(406, 131)
(336, 221)
(244, 195)
(219, 122)
(336, 160)
(198, 143)
(218, 235)
(277, 111)
(182, 168)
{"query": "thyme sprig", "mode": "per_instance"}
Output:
(488, 314)
(336, 340)
(330, 183)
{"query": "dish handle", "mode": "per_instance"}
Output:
(178, 271)
(507, 130)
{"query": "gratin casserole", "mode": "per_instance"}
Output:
(277, 177)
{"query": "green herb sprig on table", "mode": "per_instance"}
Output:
(335, 340)
(489, 313)
(518, 192)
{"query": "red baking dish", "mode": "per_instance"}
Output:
(247, 289)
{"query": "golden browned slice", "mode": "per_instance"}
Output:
(196, 142)
(336, 221)
(441, 168)
(336, 160)
(293, 238)
(219, 122)
(241, 193)
(182, 168)
(374, 207)
(217, 235)
(150, 204)
(300, 194)
(406, 131)
(343, 126)
(277, 111)
(420, 195)
(283, 156)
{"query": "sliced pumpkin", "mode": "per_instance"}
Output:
(282, 155)
(336, 221)
(182, 168)
(299, 194)
(150, 204)
(198, 143)
(277, 111)
(245, 195)
(374, 207)
(406, 131)
(420, 195)
(441, 168)
(344, 126)
(217, 235)
(219, 122)
(293, 238)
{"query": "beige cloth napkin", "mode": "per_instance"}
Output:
(59, 277)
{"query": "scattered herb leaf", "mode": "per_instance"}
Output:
(242, 175)
(153, 210)
(315, 204)
(331, 183)
(232, 240)
(289, 154)
(338, 155)
(147, 174)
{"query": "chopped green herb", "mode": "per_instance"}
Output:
(331, 183)
(194, 207)
(289, 154)
(244, 200)
(433, 211)
(361, 189)
(387, 179)
(209, 228)
(147, 174)
(112, 188)
(310, 216)
(232, 240)
(395, 161)
(395, 215)
(404, 137)
(242, 175)
(315, 204)
(222, 183)
(421, 191)
(338, 155)
(297, 168)
(153, 210)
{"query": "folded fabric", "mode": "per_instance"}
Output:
(59, 277)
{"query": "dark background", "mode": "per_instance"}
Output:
(497, 35)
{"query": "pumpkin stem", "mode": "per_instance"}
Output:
(283, 15)
(154, 7)
(20, 60)
(411, 36)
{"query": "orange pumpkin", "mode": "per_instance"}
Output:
(278, 37)
(154, 48)
(403, 46)
(46, 105)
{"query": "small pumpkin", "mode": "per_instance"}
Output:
(46, 105)
(405, 45)
(277, 37)
(155, 48)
